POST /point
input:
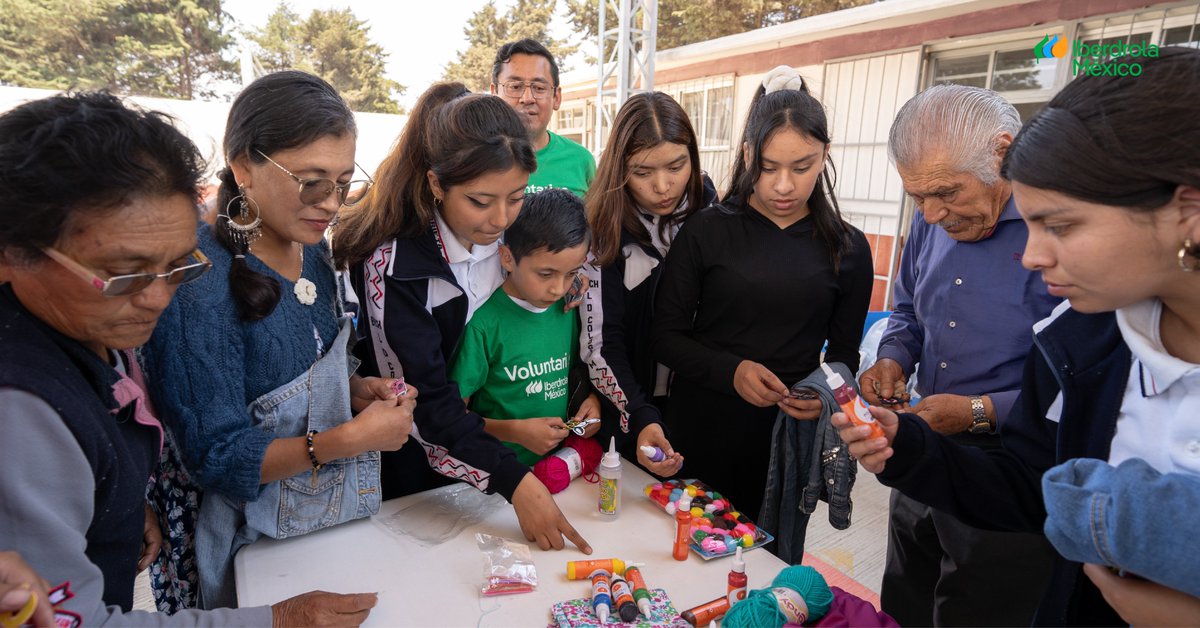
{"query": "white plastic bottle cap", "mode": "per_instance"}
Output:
(832, 379)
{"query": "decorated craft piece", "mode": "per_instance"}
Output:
(716, 529)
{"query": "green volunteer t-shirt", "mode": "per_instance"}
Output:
(562, 164)
(513, 363)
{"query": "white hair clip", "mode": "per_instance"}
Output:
(782, 77)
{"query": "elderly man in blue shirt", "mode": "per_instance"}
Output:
(964, 311)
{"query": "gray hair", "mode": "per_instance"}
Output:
(959, 123)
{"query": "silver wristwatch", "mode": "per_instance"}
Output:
(979, 421)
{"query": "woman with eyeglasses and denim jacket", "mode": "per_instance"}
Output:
(251, 364)
(100, 206)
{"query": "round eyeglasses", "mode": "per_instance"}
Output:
(125, 285)
(315, 191)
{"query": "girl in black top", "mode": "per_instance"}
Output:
(647, 184)
(751, 290)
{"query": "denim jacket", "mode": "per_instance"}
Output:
(1129, 516)
(808, 462)
(342, 490)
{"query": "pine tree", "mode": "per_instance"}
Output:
(486, 31)
(168, 48)
(335, 45)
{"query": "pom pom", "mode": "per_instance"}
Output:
(761, 608)
(578, 456)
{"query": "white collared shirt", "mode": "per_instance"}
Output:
(478, 271)
(1160, 414)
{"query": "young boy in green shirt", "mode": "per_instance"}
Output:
(513, 362)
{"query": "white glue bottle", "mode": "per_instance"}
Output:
(610, 481)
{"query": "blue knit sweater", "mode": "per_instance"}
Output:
(205, 365)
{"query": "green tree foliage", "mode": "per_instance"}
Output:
(683, 22)
(486, 31)
(335, 45)
(168, 48)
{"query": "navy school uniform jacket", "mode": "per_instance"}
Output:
(1076, 373)
(397, 334)
(615, 335)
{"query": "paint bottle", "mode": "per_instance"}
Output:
(641, 594)
(683, 528)
(705, 613)
(610, 481)
(653, 453)
(601, 595)
(853, 405)
(736, 590)
(623, 598)
(583, 569)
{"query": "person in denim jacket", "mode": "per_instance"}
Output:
(251, 365)
(1126, 516)
(1111, 194)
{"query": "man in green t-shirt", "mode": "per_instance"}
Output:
(525, 75)
(513, 362)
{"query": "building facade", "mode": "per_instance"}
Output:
(864, 63)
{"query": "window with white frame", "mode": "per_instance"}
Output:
(1176, 26)
(1010, 68)
(571, 121)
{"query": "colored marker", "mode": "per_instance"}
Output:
(624, 599)
(641, 595)
(601, 595)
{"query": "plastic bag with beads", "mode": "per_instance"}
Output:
(507, 566)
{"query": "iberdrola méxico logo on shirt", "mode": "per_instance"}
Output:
(537, 375)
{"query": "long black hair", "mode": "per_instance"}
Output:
(797, 110)
(276, 112)
(1123, 141)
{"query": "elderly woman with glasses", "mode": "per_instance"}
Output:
(100, 205)
(251, 365)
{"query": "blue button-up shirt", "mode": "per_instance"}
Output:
(965, 311)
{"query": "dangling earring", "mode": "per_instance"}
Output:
(243, 234)
(1184, 251)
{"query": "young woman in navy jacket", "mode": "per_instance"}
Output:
(647, 184)
(422, 256)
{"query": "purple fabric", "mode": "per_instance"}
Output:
(850, 610)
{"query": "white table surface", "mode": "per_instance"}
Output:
(425, 581)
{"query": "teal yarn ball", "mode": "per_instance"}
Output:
(759, 609)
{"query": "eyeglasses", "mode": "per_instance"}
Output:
(125, 285)
(516, 89)
(315, 191)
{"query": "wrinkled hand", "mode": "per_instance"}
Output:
(540, 435)
(590, 408)
(884, 380)
(1144, 603)
(318, 608)
(384, 424)
(801, 409)
(872, 453)
(653, 436)
(17, 582)
(757, 384)
(945, 414)
(540, 519)
(151, 540)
